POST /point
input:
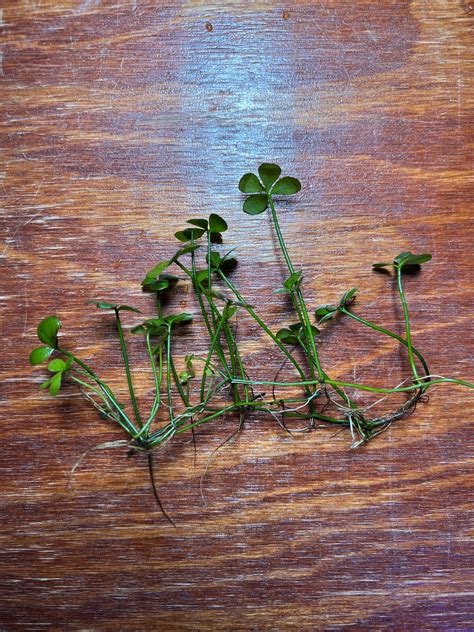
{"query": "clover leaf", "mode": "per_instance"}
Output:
(117, 308)
(40, 354)
(267, 185)
(249, 183)
(286, 186)
(189, 234)
(256, 204)
(404, 259)
(48, 331)
(269, 174)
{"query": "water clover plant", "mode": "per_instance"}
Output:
(196, 389)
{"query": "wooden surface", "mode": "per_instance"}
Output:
(121, 119)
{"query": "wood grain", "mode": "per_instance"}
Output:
(122, 118)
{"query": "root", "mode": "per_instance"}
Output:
(155, 491)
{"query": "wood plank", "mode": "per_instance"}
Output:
(121, 119)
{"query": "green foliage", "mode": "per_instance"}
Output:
(48, 331)
(201, 223)
(224, 383)
(189, 234)
(326, 312)
(348, 297)
(55, 383)
(286, 186)
(295, 334)
(57, 365)
(113, 306)
(217, 224)
(249, 183)
(269, 174)
(404, 259)
(40, 355)
(256, 204)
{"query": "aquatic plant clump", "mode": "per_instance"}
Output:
(194, 390)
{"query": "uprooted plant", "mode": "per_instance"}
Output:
(197, 389)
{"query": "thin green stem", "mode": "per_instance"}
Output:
(157, 377)
(192, 276)
(407, 323)
(123, 348)
(306, 321)
(214, 340)
(360, 387)
(128, 424)
(168, 373)
(260, 322)
(386, 332)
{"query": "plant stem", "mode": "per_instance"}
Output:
(214, 339)
(128, 424)
(260, 322)
(192, 276)
(157, 377)
(407, 323)
(127, 368)
(360, 387)
(386, 332)
(305, 321)
(168, 373)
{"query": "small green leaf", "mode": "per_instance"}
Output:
(40, 354)
(201, 223)
(155, 285)
(325, 312)
(404, 259)
(314, 329)
(269, 173)
(256, 204)
(156, 271)
(217, 224)
(139, 329)
(408, 259)
(215, 260)
(57, 365)
(293, 281)
(229, 310)
(174, 319)
(189, 234)
(348, 297)
(184, 251)
(45, 384)
(184, 377)
(287, 337)
(48, 331)
(118, 308)
(295, 327)
(202, 277)
(154, 326)
(102, 304)
(55, 384)
(286, 186)
(249, 183)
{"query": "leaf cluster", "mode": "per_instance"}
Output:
(264, 186)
